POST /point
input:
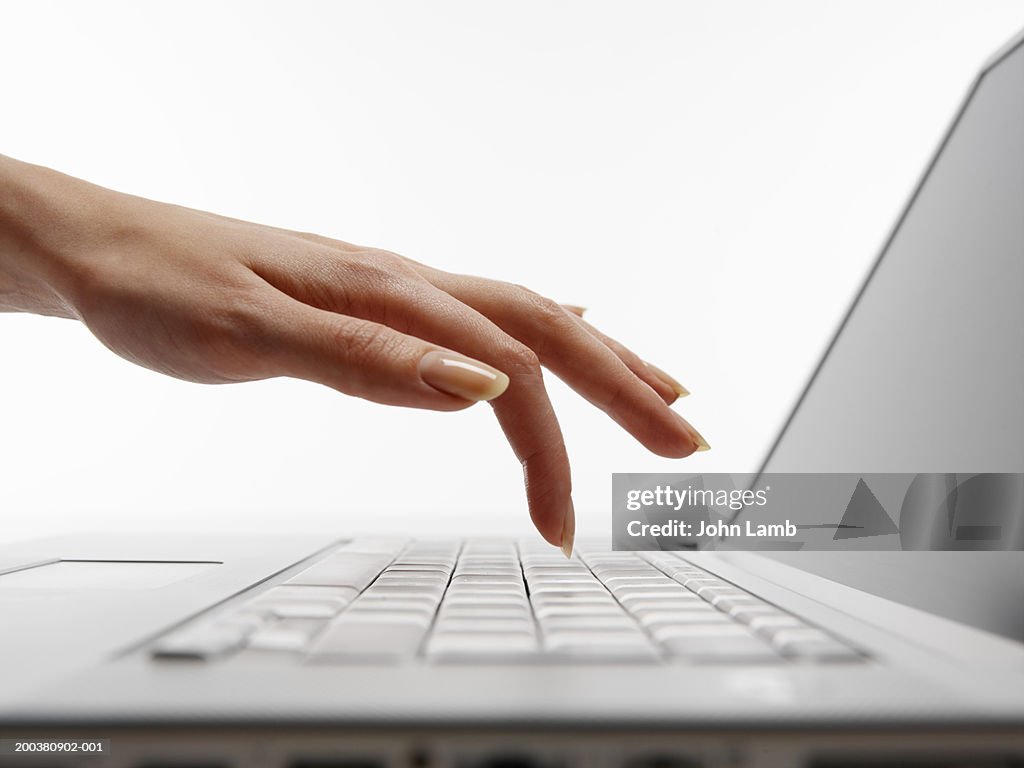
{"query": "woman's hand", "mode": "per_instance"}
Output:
(211, 299)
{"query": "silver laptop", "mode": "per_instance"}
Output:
(392, 653)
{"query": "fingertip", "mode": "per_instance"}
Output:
(552, 515)
(669, 435)
(692, 439)
(671, 382)
(568, 530)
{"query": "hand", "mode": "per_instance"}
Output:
(211, 299)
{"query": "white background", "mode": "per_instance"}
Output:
(711, 179)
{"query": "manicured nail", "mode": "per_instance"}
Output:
(462, 376)
(578, 311)
(673, 384)
(702, 444)
(569, 530)
(695, 436)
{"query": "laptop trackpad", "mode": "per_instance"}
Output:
(103, 574)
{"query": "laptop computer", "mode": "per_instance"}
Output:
(392, 653)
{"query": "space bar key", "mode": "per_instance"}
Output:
(365, 640)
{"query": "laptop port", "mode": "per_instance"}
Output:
(661, 760)
(510, 760)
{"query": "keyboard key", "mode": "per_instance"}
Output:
(710, 592)
(824, 649)
(565, 582)
(344, 569)
(569, 597)
(459, 612)
(368, 641)
(401, 567)
(727, 602)
(715, 643)
(727, 650)
(241, 621)
(411, 577)
(289, 592)
(768, 626)
(669, 602)
(576, 587)
(486, 602)
(562, 611)
(601, 646)
(479, 647)
(651, 619)
(604, 636)
(406, 590)
(520, 625)
(638, 581)
(369, 603)
(665, 632)
(492, 580)
(587, 623)
(611, 571)
(483, 572)
(200, 642)
(560, 601)
(300, 609)
(484, 595)
(747, 613)
(356, 615)
(805, 634)
(278, 639)
(555, 570)
(659, 591)
(695, 583)
(422, 563)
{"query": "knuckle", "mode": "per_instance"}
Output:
(327, 284)
(617, 394)
(393, 260)
(520, 359)
(536, 302)
(367, 343)
(371, 273)
(546, 320)
(378, 264)
(547, 310)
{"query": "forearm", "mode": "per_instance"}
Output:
(47, 221)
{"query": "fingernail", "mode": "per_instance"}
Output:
(575, 309)
(462, 376)
(671, 381)
(695, 436)
(702, 444)
(569, 530)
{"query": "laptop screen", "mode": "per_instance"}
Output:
(927, 372)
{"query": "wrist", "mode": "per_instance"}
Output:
(47, 221)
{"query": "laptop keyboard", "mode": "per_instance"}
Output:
(497, 602)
